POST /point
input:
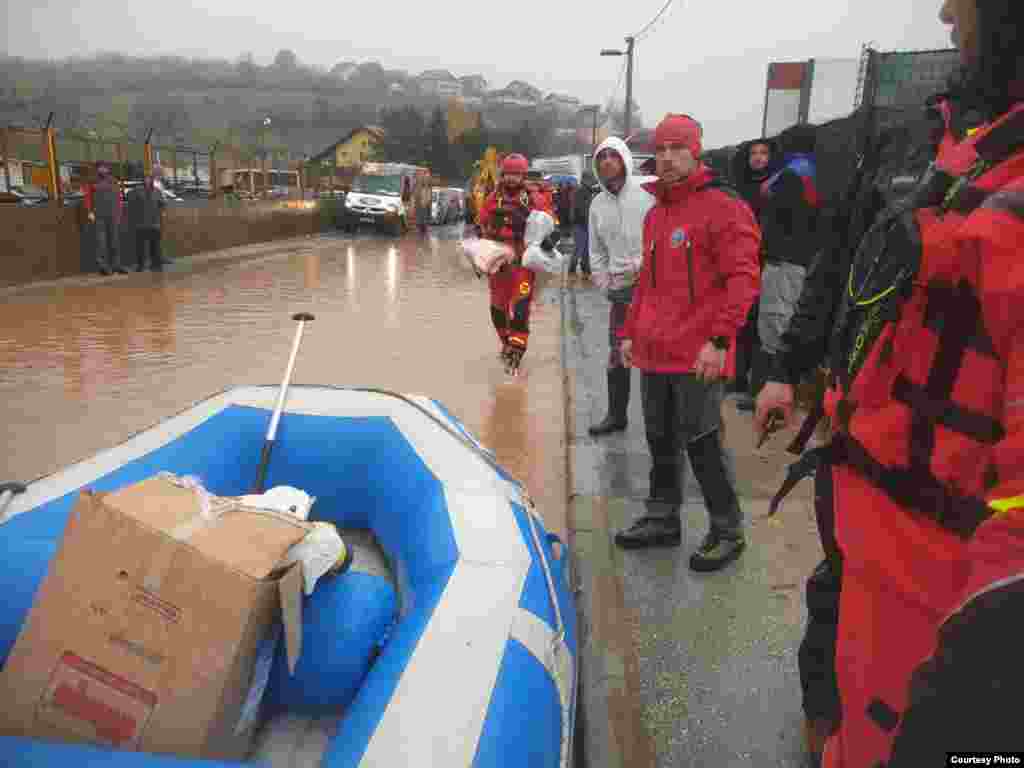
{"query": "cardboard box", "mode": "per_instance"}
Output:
(155, 626)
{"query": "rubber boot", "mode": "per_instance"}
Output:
(618, 402)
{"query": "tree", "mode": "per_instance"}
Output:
(286, 60)
(405, 139)
(165, 116)
(439, 154)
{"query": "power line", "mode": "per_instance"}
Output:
(653, 21)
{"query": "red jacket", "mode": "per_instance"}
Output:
(700, 274)
(929, 491)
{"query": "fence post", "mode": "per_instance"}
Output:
(53, 177)
(4, 152)
(214, 178)
(147, 155)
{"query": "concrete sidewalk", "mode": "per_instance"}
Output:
(678, 668)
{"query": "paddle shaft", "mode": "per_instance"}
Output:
(275, 418)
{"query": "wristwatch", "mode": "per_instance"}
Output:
(720, 342)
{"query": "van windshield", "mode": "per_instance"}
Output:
(378, 185)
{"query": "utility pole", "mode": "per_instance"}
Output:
(629, 78)
(629, 84)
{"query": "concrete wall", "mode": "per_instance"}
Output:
(47, 242)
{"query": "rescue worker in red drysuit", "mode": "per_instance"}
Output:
(503, 218)
(927, 455)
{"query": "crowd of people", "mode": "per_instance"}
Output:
(915, 313)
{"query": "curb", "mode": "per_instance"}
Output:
(609, 731)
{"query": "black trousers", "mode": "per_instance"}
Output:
(747, 344)
(682, 413)
(150, 236)
(816, 658)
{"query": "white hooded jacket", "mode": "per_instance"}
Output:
(616, 223)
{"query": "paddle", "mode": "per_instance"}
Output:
(268, 443)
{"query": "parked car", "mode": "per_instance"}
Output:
(27, 195)
(168, 196)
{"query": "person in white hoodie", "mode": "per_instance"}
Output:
(616, 234)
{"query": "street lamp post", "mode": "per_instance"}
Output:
(629, 78)
(266, 123)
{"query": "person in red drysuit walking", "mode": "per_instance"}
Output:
(503, 218)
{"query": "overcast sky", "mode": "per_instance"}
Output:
(704, 57)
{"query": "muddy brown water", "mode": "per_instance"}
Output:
(87, 362)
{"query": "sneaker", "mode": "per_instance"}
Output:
(716, 552)
(650, 532)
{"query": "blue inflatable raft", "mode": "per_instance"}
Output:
(467, 657)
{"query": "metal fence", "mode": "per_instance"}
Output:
(63, 162)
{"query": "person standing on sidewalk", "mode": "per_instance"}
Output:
(616, 239)
(926, 458)
(146, 209)
(698, 281)
(104, 207)
(751, 168)
(789, 222)
(581, 228)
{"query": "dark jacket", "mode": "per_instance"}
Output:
(789, 201)
(146, 205)
(890, 166)
(581, 203)
(745, 180)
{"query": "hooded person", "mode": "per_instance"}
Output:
(751, 166)
(104, 206)
(503, 218)
(615, 239)
(698, 279)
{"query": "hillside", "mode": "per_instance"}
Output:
(191, 102)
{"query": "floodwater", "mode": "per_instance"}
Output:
(87, 362)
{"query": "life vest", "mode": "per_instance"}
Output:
(915, 398)
(508, 222)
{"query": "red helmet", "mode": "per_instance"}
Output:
(515, 163)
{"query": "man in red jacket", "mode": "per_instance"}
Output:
(699, 278)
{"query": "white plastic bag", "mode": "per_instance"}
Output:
(537, 259)
(282, 498)
(488, 256)
(321, 550)
(538, 226)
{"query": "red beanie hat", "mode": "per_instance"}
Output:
(679, 129)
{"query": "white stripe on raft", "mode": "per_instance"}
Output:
(453, 668)
(544, 644)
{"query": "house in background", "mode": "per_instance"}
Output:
(440, 82)
(353, 150)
